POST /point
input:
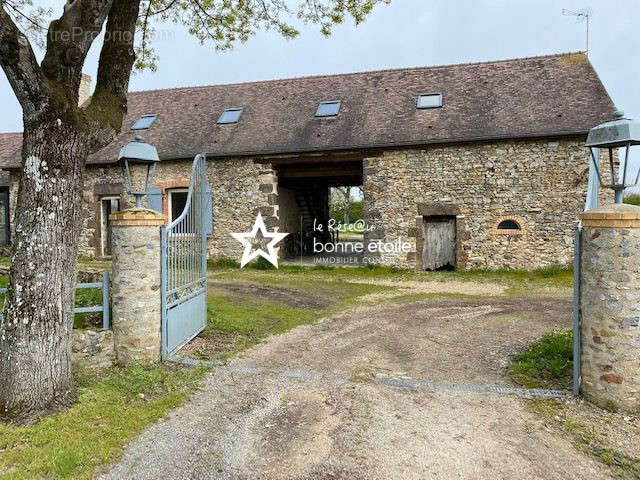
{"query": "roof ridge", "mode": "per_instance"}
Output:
(361, 72)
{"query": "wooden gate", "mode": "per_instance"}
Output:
(184, 266)
(439, 242)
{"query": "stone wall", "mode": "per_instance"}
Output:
(92, 349)
(610, 306)
(540, 184)
(240, 189)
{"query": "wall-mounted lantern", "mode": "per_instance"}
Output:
(618, 133)
(140, 153)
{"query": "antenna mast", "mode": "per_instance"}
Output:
(583, 15)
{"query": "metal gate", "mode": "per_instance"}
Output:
(184, 266)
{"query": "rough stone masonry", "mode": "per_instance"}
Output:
(540, 185)
(136, 285)
(610, 305)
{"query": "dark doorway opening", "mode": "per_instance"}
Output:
(177, 202)
(304, 193)
(108, 205)
(439, 242)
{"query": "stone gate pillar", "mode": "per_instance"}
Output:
(136, 285)
(610, 305)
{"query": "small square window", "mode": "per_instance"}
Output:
(230, 115)
(144, 122)
(429, 100)
(328, 109)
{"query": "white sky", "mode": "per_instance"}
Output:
(405, 33)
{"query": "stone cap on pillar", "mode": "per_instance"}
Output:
(618, 215)
(137, 217)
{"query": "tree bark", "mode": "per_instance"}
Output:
(35, 333)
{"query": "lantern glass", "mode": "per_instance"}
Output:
(616, 137)
(138, 161)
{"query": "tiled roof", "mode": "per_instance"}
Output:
(10, 147)
(553, 95)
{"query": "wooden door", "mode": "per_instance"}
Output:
(439, 243)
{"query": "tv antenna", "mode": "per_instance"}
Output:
(583, 15)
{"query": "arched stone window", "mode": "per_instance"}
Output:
(509, 226)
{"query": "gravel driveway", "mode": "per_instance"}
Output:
(251, 421)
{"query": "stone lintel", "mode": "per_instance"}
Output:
(137, 217)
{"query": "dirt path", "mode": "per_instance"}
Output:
(248, 423)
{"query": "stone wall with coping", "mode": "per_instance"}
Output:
(135, 285)
(540, 183)
(610, 306)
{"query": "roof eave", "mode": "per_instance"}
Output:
(394, 145)
(370, 146)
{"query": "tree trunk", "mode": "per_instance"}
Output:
(35, 333)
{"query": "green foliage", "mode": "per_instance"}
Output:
(110, 412)
(86, 297)
(222, 264)
(224, 23)
(262, 264)
(518, 282)
(355, 211)
(546, 363)
(252, 321)
(522, 282)
(32, 20)
(632, 199)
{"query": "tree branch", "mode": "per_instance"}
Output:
(21, 67)
(145, 30)
(109, 102)
(28, 18)
(163, 9)
(68, 41)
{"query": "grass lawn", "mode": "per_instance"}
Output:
(547, 363)
(110, 412)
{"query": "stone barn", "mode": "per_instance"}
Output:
(477, 165)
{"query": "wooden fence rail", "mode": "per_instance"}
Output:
(104, 307)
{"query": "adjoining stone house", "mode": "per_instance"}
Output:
(489, 153)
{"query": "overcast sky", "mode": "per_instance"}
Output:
(403, 34)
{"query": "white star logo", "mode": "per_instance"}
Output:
(248, 255)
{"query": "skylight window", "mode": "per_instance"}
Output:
(230, 115)
(144, 122)
(429, 100)
(328, 109)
